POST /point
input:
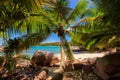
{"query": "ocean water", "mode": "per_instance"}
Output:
(53, 49)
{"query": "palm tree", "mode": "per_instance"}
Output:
(62, 16)
(65, 16)
(57, 17)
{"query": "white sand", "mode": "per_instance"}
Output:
(86, 55)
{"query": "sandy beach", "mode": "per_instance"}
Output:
(84, 55)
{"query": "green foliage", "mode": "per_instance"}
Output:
(36, 19)
(111, 10)
(102, 29)
(17, 17)
(68, 51)
(79, 11)
(64, 17)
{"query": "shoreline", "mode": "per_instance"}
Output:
(85, 55)
(77, 55)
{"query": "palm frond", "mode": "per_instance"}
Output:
(95, 32)
(78, 11)
(110, 8)
(61, 10)
(31, 39)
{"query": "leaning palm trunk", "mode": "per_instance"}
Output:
(62, 64)
(68, 51)
(65, 48)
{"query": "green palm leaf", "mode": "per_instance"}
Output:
(78, 11)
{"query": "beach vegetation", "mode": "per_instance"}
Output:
(35, 20)
(101, 30)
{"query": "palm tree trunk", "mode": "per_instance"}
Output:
(61, 34)
(65, 47)
(62, 63)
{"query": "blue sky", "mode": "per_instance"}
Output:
(54, 38)
(73, 3)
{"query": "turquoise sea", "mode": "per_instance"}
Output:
(53, 49)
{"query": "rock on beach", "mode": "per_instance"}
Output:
(44, 58)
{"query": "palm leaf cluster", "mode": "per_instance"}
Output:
(16, 18)
(10, 13)
(101, 31)
(111, 10)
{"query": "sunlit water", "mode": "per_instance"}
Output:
(53, 49)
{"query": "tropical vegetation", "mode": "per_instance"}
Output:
(35, 20)
(101, 30)
(35, 23)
